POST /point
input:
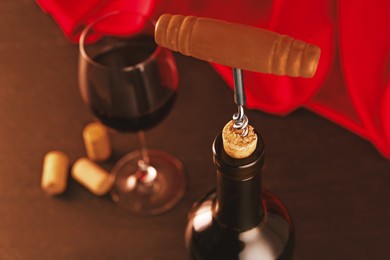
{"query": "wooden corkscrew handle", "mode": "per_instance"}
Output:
(237, 45)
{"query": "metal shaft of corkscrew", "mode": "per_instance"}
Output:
(240, 119)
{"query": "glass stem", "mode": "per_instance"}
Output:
(146, 173)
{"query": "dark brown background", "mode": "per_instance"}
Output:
(335, 184)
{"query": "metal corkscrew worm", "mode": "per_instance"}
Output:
(240, 119)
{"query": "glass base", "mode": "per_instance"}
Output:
(148, 198)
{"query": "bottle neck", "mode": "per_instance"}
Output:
(238, 201)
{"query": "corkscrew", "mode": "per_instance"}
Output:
(240, 119)
(240, 47)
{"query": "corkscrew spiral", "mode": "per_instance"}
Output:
(241, 121)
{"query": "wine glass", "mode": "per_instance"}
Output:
(130, 85)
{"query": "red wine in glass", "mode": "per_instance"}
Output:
(151, 100)
(130, 84)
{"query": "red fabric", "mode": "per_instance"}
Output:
(352, 83)
(73, 15)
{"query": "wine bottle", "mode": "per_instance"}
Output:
(239, 220)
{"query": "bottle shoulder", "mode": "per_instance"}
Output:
(273, 238)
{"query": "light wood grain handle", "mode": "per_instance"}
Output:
(237, 45)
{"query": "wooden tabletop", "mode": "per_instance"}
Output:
(335, 184)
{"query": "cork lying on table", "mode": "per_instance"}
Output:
(55, 172)
(236, 145)
(97, 142)
(92, 176)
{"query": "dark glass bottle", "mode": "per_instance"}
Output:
(238, 220)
